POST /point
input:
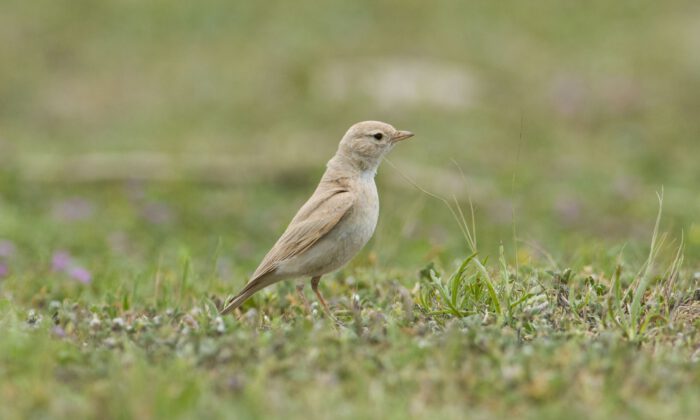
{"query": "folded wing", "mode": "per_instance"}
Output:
(313, 221)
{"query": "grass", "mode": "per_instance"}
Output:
(476, 335)
(151, 152)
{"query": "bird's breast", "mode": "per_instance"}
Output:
(366, 207)
(354, 231)
(345, 240)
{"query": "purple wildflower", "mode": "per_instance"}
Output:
(158, 213)
(7, 248)
(58, 331)
(4, 271)
(61, 261)
(80, 274)
(568, 209)
(568, 93)
(73, 210)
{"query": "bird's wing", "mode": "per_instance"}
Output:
(314, 220)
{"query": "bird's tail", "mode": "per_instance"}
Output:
(249, 290)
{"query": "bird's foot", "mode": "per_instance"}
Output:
(328, 313)
(314, 286)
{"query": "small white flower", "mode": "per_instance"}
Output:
(424, 344)
(33, 318)
(219, 325)
(110, 342)
(118, 323)
(141, 322)
(95, 322)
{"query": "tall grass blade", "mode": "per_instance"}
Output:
(645, 279)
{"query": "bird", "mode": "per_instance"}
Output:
(336, 222)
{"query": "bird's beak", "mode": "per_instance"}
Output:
(400, 136)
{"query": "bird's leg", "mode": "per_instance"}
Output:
(300, 291)
(314, 286)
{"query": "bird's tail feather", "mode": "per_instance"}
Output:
(249, 290)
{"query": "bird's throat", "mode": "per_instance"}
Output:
(342, 165)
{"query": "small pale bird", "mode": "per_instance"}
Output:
(338, 219)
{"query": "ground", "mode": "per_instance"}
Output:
(150, 154)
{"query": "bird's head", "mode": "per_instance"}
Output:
(366, 143)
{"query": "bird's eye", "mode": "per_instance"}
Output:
(378, 136)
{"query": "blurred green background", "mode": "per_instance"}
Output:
(152, 151)
(137, 129)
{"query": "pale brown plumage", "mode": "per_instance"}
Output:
(315, 219)
(338, 219)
